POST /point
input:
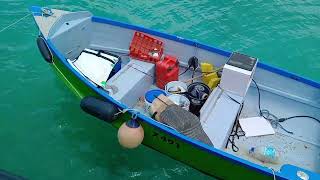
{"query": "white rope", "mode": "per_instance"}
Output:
(125, 110)
(15, 22)
(273, 173)
(135, 114)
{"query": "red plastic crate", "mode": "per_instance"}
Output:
(143, 45)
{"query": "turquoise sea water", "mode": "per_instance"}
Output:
(45, 135)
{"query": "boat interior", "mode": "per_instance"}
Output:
(261, 93)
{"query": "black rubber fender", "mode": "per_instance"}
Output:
(101, 109)
(44, 50)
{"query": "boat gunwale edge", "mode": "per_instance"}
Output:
(225, 53)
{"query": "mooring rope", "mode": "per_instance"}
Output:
(5, 28)
(273, 173)
(134, 112)
(45, 11)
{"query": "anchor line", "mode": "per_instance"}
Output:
(5, 28)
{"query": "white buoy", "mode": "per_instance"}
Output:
(130, 134)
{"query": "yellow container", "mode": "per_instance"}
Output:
(213, 83)
(206, 67)
(210, 79)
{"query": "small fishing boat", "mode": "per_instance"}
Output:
(223, 113)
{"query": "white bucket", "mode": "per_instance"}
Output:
(176, 87)
(180, 100)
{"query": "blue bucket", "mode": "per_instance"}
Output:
(153, 94)
(150, 96)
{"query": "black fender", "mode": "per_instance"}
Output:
(44, 50)
(103, 110)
